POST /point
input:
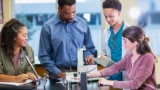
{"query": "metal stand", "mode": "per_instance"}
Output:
(40, 83)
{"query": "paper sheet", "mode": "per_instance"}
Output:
(15, 83)
(87, 68)
(71, 78)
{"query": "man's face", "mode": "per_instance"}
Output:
(67, 12)
(112, 16)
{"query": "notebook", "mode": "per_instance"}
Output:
(15, 83)
(105, 62)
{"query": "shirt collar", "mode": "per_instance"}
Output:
(58, 20)
(121, 28)
(23, 53)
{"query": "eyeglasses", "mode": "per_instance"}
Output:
(114, 42)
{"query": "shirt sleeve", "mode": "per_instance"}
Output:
(45, 51)
(115, 68)
(90, 48)
(105, 37)
(31, 58)
(146, 68)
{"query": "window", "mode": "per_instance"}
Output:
(150, 21)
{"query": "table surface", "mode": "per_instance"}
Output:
(51, 85)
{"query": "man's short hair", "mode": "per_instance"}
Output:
(61, 3)
(115, 4)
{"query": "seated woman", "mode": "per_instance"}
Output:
(13, 66)
(138, 63)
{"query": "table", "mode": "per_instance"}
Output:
(41, 70)
(30, 86)
(52, 85)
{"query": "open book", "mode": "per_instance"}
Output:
(105, 62)
(15, 83)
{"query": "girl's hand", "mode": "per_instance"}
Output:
(21, 78)
(103, 81)
(32, 76)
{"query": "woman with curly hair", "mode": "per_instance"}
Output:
(13, 66)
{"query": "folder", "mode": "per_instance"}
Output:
(105, 62)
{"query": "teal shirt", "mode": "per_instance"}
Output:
(115, 44)
(7, 66)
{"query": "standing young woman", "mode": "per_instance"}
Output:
(138, 63)
(13, 66)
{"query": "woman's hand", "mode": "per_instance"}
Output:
(94, 74)
(32, 76)
(21, 78)
(103, 81)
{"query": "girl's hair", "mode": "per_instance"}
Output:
(136, 33)
(8, 34)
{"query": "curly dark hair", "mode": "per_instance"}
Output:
(8, 33)
(115, 4)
